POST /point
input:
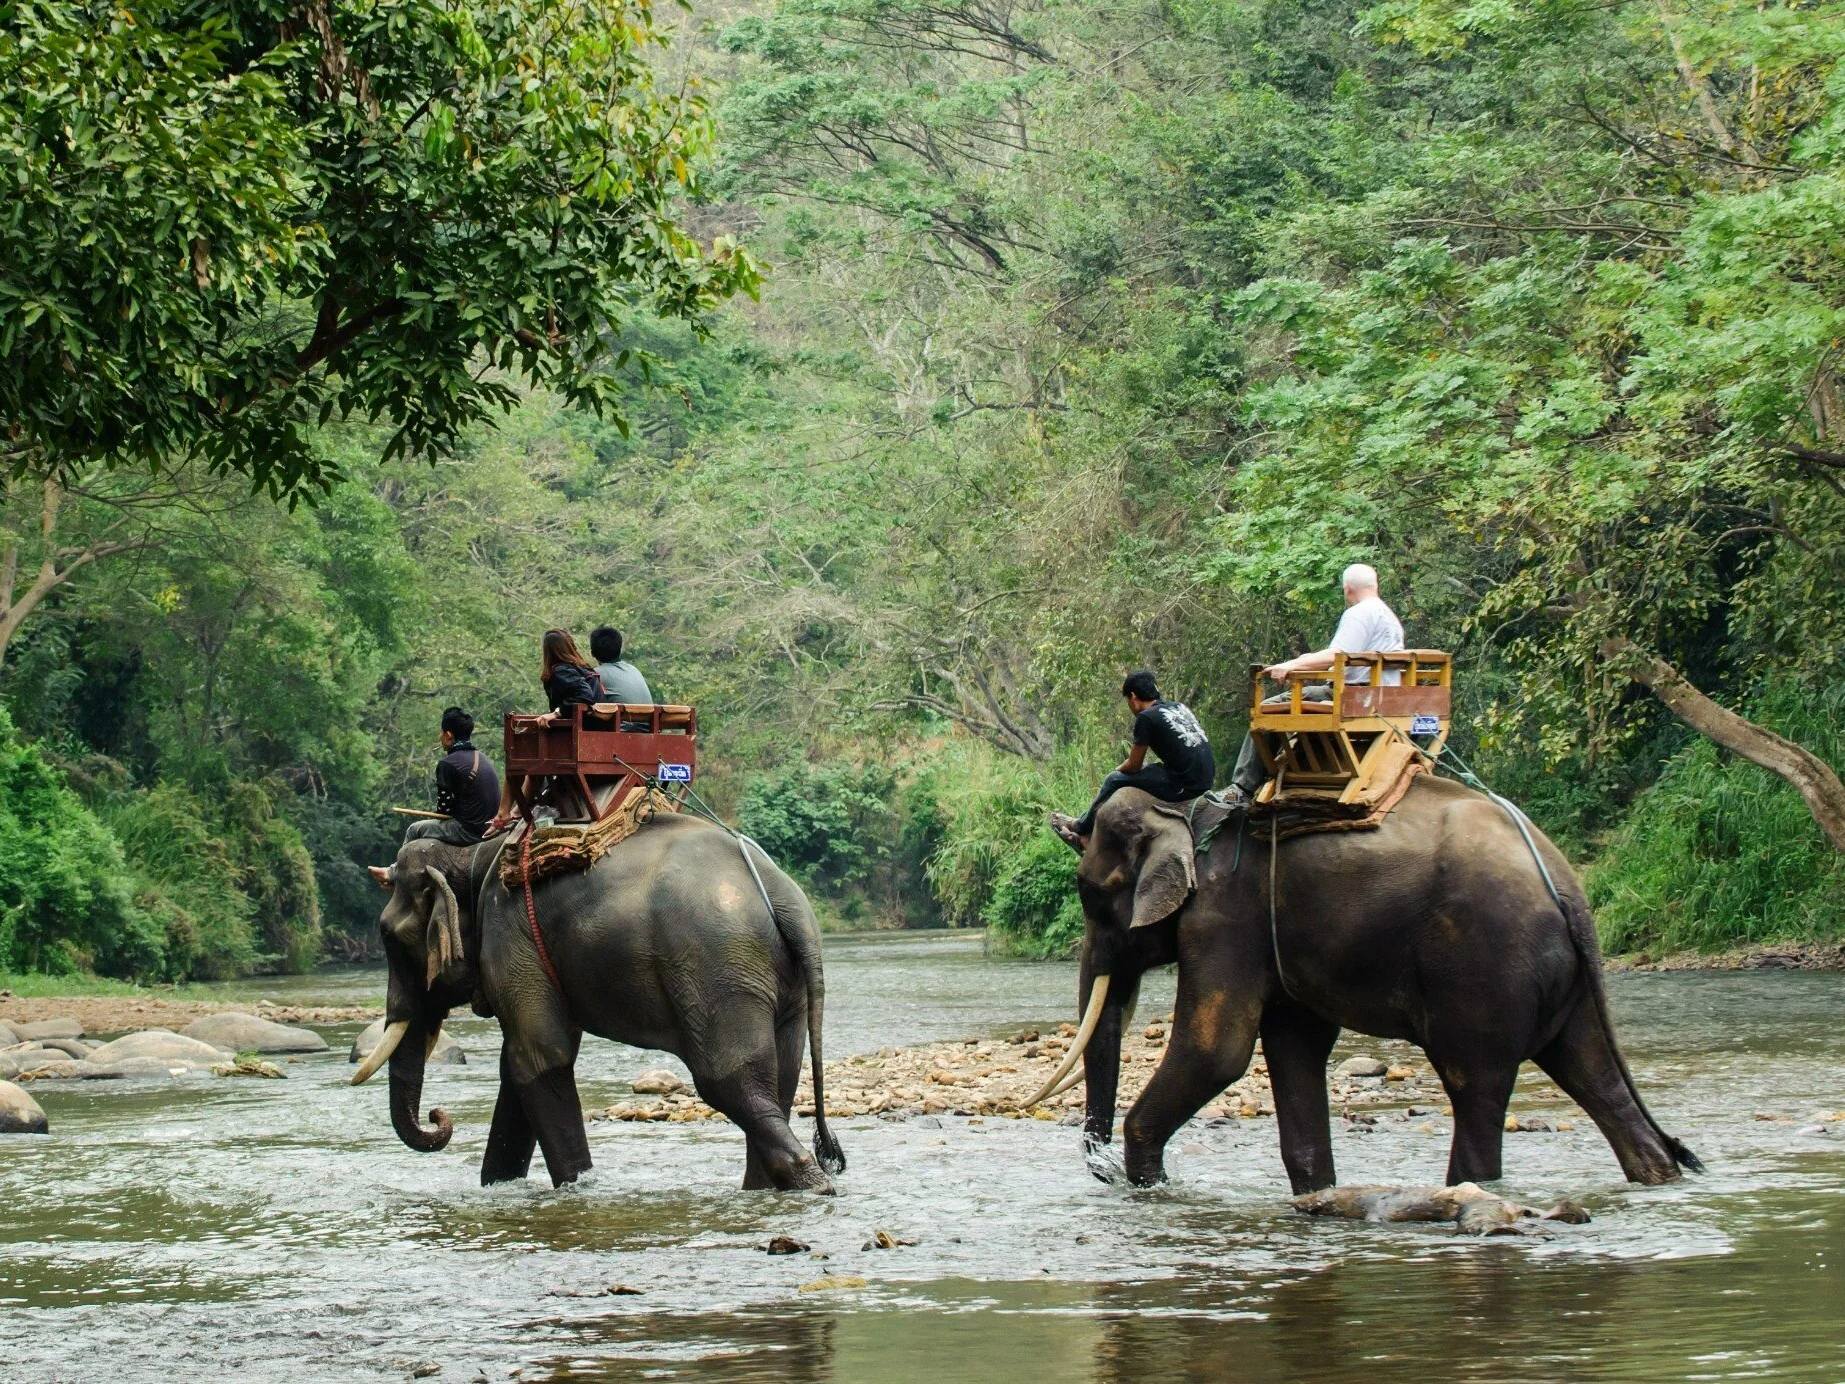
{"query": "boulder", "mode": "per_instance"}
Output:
(49, 1028)
(55, 1066)
(19, 1113)
(657, 1083)
(163, 1066)
(158, 1042)
(246, 1033)
(448, 1051)
(70, 1047)
(8, 1035)
(1360, 1066)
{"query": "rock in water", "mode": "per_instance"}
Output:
(49, 1028)
(658, 1083)
(1472, 1209)
(448, 1051)
(9, 1035)
(246, 1033)
(19, 1113)
(1361, 1065)
(159, 1042)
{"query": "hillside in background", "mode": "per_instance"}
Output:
(1092, 338)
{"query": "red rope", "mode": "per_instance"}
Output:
(531, 910)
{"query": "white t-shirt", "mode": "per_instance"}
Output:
(1369, 627)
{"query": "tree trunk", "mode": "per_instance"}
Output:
(1811, 776)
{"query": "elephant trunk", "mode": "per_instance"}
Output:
(406, 1098)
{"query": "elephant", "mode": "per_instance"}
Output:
(665, 942)
(1436, 926)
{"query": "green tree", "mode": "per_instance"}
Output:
(228, 222)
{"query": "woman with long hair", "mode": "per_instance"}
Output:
(569, 678)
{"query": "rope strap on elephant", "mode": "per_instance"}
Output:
(531, 913)
(556, 850)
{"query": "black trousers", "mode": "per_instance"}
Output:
(1154, 778)
(450, 830)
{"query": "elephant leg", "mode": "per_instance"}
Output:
(790, 1049)
(1479, 1090)
(1102, 1062)
(538, 1056)
(1583, 1061)
(751, 1097)
(1212, 1039)
(1296, 1043)
(511, 1139)
(556, 1115)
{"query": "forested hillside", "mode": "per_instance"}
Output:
(1089, 338)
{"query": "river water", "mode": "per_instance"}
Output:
(248, 1230)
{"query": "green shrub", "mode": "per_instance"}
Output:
(829, 824)
(67, 900)
(1034, 910)
(1719, 852)
(189, 880)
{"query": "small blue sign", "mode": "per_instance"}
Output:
(675, 773)
(1425, 725)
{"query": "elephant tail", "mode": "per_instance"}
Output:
(794, 920)
(1588, 948)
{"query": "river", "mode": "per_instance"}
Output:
(250, 1230)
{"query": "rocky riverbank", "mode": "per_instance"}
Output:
(128, 1013)
(993, 1077)
(1763, 956)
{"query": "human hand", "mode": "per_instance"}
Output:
(1278, 671)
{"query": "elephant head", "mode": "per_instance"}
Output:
(1138, 871)
(423, 925)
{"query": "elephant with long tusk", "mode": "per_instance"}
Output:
(1437, 927)
(666, 942)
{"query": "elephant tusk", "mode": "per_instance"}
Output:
(393, 1035)
(429, 1048)
(1080, 1074)
(1097, 993)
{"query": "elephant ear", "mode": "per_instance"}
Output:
(442, 943)
(1168, 874)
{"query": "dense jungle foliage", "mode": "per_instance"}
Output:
(1090, 338)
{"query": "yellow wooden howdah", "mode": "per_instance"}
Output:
(1353, 747)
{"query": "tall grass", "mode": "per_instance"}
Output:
(1719, 852)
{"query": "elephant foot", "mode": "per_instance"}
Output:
(1103, 1162)
(1145, 1169)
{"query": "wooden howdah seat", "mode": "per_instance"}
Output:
(1351, 749)
(596, 757)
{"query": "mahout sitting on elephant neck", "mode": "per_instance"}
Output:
(1435, 927)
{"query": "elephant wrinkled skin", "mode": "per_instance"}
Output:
(666, 942)
(1436, 927)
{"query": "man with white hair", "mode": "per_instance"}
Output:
(1367, 627)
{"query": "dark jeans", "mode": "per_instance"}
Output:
(1154, 778)
(451, 830)
(1250, 775)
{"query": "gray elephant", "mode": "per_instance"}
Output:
(1436, 927)
(666, 942)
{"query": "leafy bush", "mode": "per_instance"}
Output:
(990, 858)
(67, 902)
(833, 826)
(1719, 852)
(1034, 910)
(342, 841)
(189, 880)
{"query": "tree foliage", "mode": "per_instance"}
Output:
(227, 223)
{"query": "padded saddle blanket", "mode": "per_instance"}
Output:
(1290, 817)
(567, 847)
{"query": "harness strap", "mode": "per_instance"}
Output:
(531, 910)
